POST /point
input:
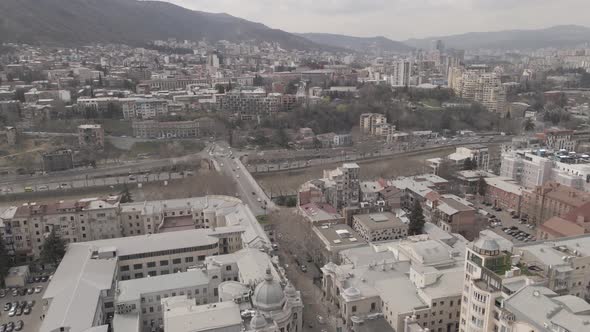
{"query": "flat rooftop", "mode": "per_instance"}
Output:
(381, 220)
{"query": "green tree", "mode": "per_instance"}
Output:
(126, 195)
(416, 219)
(481, 186)
(528, 125)
(5, 261)
(53, 249)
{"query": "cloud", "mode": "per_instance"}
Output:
(399, 19)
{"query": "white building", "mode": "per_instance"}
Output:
(401, 73)
(143, 108)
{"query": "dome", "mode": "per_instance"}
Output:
(486, 245)
(268, 295)
(290, 291)
(258, 321)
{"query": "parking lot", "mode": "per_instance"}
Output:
(32, 320)
(511, 228)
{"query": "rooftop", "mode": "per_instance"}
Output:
(132, 290)
(382, 220)
(182, 315)
(339, 235)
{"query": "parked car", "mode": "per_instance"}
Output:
(30, 291)
(27, 310)
(37, 279)
(303, 268)
(19, 311)
(10, 327)
(3, 328)
(31, 303)
(19, 325)
(38, 289)
(2, 293)
(15, 292)
(7, 306)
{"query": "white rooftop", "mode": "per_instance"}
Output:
(181, 315)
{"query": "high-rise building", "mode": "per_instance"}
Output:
(401, 73)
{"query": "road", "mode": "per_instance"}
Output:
(249, 191)
(272, 161)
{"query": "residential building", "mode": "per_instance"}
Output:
(91, 136)
(143, 108)
(173, 129)
(557, 139)
(335, 238)
(369, 122)
(58, 160)
(454, 215)
(126, 278)
(574, 223)
(418, 276)
(339, 188)
(320, 214)
(550, 200)
(401, 72)
(375, 227)
(505, 193)
(478, 154)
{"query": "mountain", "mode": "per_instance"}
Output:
(359, 44)
(76, 22)
(557, 36)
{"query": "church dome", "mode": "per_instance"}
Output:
(268, 295)
(258, 321)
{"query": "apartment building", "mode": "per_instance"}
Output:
(384, 226)
(574, 223)
(454, 215)
(100, 104)
(557, 139)
(419, 276)
(478, 154)
(91, 136)
(401, 73)
(504, 193)
(478, 84)
(143, 108)
(105, 218)
(369, 122)
(173, 129)
(550, 200)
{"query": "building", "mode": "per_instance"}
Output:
(505, 194)
(550, 200)
(401, 72)
(173, 129)
(384, 226)
(556, 139)
(454, 215)
(478, 84)
(339, 188)
(58, 160)
(419, 276)
(182, 315)
(370, 121)
(9, 136)
(574, 223)
(320, 214)
(478, 154)
(126, 279)
(91, 136)
(143, 108)
(335, 238)
(105, 218)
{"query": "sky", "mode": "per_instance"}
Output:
(400, 19)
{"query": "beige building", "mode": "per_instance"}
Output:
(173, 129)
(550, 200)
(369, 122)
(383, 226)
(143, 108)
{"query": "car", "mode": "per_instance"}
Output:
(30, 291)
(3, 328)
(9, 327)
(303, 268)
(275, 246)
(38, 289)
(2, 293)
(19, 325)
(19, 311)
(15, 292)
(12, 312)
(23, 304)
(22, 291)
(7, 306)
(64, 186)
(44, 278)
(259, 199)
(31, 303)
(37, 279)
(321, 319)
(27, 311)
(43, 188)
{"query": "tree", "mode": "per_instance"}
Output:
(280, 138)
(528, 125)
(445, 169)
(220, 89)
(468, 164)
(126, 195)
(54, 249)
(416, 219)
(481, 186)
(5, 261)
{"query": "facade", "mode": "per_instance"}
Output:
(339, 188)
(173, 129)
(143, 108)
(370, 121)
(574, 223)
(377, 227)
(402, 70)
(559, 139)
(504, 193)
(335, 238)
(454, 215)
(58, 160)
(550, 200)
(478, 154)
(478, 84)
(418, 276)
(93, 219)
(91, 136)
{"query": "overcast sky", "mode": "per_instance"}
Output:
(400, 19)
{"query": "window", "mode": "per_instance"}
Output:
(373, 306)
(152, 273)
(188, 259)
(228, 268)
(201, 258)
(176, 261)
(164, 263)
(353, 308)
(151, 264)
(125, 268)
(139, 275)
(137, 266)
(215, 292)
